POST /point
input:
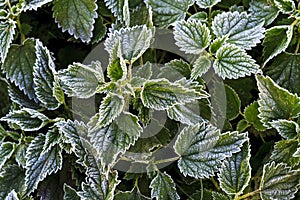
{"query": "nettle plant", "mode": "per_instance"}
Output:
(220, 120)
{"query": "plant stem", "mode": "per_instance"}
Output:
(250, 194)
(298, 46)
(215, 183)
(20, 29)
(201, 187)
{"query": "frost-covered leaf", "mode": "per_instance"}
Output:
(283, 35)
(263, 10)
(278, 180)
(20, 152)
(76, 16)
(167, 12)
(39, 163)
(191, 36)
(12, 177)
(163, 187)
(70, 193)
(110, 108)
(12, 196)
(114, 139)
(217, 43)
(134, 194)
(286, 128)
(82, 80)
(207, 3)
(117, 8)
(284, 151)
(35, 4)
(27, 119)
(18, 66)
(275, 102)
(233, 62)
(7, 31)
(175, 70)
(219, 196)
(202, 148)
(43, 77)
(251, 115)
(6, 151)
(117, 69)
(133, 42)
(235, 173)
(285, 6)
(285, 71)
(99, 185)
(241, 28)
(161, 94)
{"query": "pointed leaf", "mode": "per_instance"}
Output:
(275, 102)
(7, 31)
(76, 16)
(166, 12)
(43, 77)
(40, 164)
(35, 4)
(116, 7)
(285, 6)
(235, 173)
(241, 28)
(207, 3)
(112, 140)
(191, 36)
(134, 194)
(285, 71)
(219, 196)
(20, 152)
(70, 193)
(19, 97)
(278, 181)
(18, 66)
(12, 177)
(251, 115)
(163, 187)
(81, 80)
(287, 129)
(202, 148)
(27, 119)
(283, 35)
(233, 62)
(12, 196)
(110, 108)
(217, 43)
(161, 94)
(6, 151)
(284, 151)
(233, 101)
(263, 10)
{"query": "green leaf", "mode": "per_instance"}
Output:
(6, 151)
(242, 125)
(114, 139)
(235, 172)
(263, 10)
(251, 115)
(134, 194)
(219, 196)
(275, 102)
(70, 193)
(163, 187)
(284, 151)
(133, 42)
(202, 148)
(285, 71)
(12, 196)
(27, 119)
(233, 62)
(283, 35)
(76, 16)
(40, 163)
(167, 12)
(12, 177)
(34, 4)
(285, 6)
(18, 66)
(117, 8)
(233, 107)
(287, 129)
(100, 185)
(217, 43)
(191, 36)
(175, 70)
(82, 80)
(117, 69)
(20, 152)
(43, 77)
(241, 28)
(110, 108)
(7, 31)
(99, 31)
(207, 3)
(278, 180)
(161, 94)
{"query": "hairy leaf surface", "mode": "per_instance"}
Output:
(6, 151)
(35, 4)
(7, 32)
(286, 128)
(263, 10)
(207, 3)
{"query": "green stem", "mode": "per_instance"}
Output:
(250, 194)
(20, 29)
(201, 187)
(298, 46)
(215, 183)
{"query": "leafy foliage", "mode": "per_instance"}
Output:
(175, 99)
